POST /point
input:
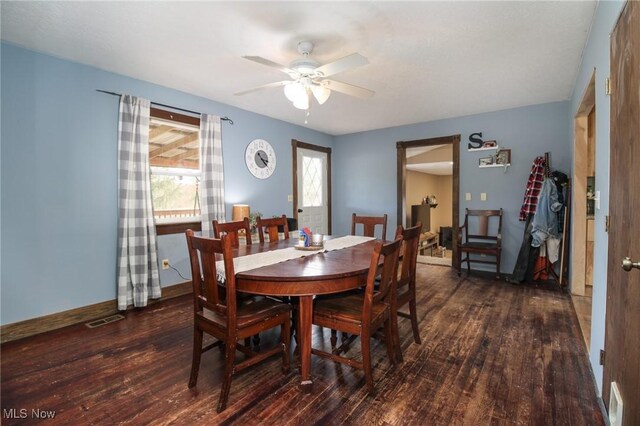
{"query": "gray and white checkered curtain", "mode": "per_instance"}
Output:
(138, 277)
(211, 173)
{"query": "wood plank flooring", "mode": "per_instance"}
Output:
(492, 353)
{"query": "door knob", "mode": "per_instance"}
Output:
(628, 264)
(299, 210)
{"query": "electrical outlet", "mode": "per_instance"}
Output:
(165, 263)
(467, 196)
(483, 196)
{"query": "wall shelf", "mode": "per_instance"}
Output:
(494, 165)
(491, 148)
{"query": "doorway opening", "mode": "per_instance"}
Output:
(582, 238)
(428, 191)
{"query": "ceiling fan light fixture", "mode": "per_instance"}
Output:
(309, 78)
(297, 93)
(302, 103)
(294, 91)
(321, 93)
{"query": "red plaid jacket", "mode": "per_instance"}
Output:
(534, 184)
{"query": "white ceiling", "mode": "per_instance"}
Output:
(428, 60)
(437, 162)
(413, 152)
(440, 168)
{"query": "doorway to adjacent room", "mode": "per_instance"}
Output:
(428, 191)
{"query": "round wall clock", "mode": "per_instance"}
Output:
(260, 158)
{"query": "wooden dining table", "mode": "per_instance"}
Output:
(305, 277)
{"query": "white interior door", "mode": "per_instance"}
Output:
(313, 211)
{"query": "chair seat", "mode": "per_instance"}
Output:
(345, 309)
(474, 245)
(250, 312)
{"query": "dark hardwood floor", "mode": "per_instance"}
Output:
(492, 353)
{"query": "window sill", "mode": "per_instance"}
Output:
(177, 227)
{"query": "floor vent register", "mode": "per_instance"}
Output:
(104, 321)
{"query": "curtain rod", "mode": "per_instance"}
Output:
(225, 118)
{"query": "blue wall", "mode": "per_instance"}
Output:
(365, 165)
(596, 57)
(62, 216)
(59, 160)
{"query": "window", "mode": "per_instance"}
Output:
(174, 156)
(311, 181)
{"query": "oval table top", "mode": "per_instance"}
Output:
(321, 273)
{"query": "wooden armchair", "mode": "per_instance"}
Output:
(479, 241)
(233, 230)
(229, 320)
(363, 313)
(369, 224)
(271, 227)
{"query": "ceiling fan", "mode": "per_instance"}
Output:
(308, 77)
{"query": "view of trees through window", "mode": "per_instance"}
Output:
(175, 194)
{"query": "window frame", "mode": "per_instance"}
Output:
(178, 226)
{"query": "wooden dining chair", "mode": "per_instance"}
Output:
(270, 226)
(406, 286)
(369, 224)
(407, 281)
(233, 230)
(480, 240)
(363, 313)
(229, 320)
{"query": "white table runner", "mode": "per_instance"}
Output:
(253, 261)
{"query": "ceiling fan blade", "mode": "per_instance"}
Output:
(348, 62)
(348, 89)
(263, 61)
(264, 86)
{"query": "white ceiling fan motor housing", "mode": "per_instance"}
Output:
(305, 66)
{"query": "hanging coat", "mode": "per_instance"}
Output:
(545, 221)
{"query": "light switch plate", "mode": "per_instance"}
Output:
(467, 196)
(290, 198)
(483, 196)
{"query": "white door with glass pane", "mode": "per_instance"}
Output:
(313, 211)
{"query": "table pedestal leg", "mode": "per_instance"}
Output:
(305, 316)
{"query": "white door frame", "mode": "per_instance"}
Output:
(295, 144)
(578, 241)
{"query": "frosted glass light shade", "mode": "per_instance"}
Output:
(297, 93)
(320, 93)
(294, 92)
(303, 103)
